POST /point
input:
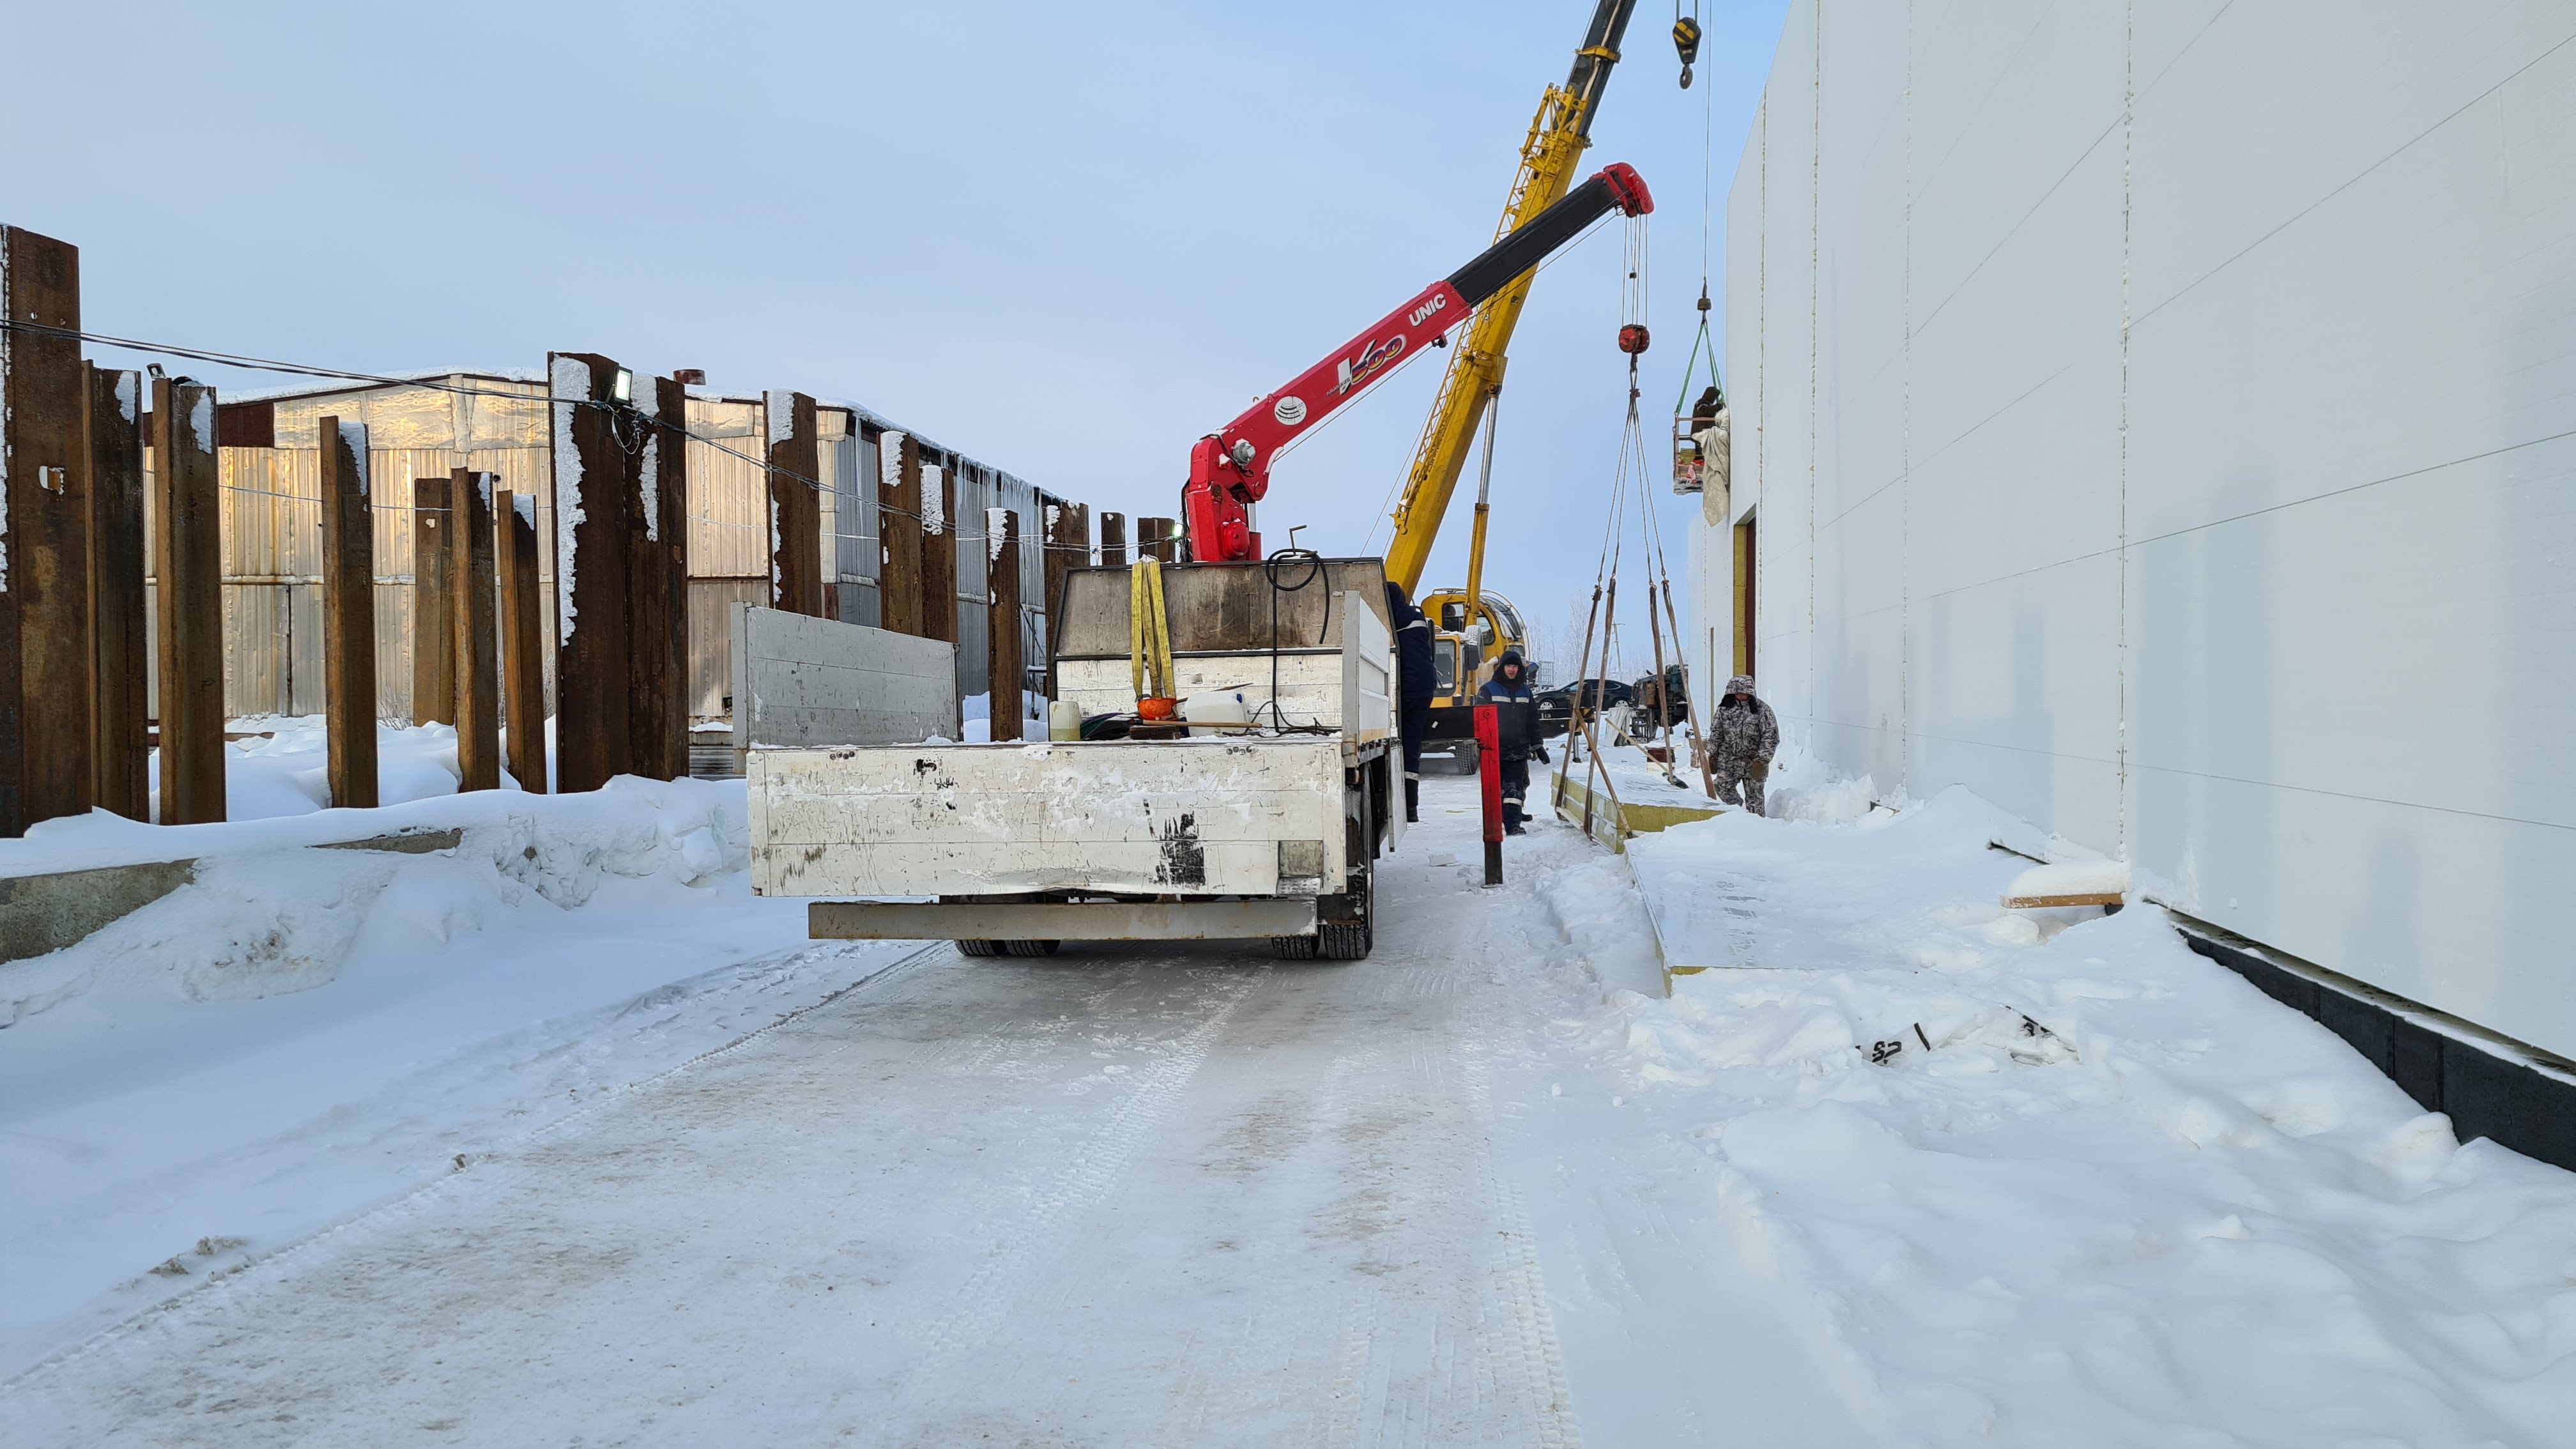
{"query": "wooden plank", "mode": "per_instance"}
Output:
(433, 631)
(1113, 540)
(1158, 538)
(899, 538)
(471, 641)
(658, 706)
(187, 562)
(795, 509)
(348, 615)
(594, 649)
(1002, 620)
(45, 761)
(1747, 556)
(938, 531)
(523, 639)
(2087, 898)
(120, 761)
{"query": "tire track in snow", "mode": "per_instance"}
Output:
(1491, 1371)
(1087, 1180)
(219, 1293)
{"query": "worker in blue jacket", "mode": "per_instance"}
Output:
(1416, 681)
(1516, 722)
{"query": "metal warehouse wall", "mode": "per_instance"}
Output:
(272, 543)
(270, 508)
(2161, 419)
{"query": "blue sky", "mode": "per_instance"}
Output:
(1067, 239)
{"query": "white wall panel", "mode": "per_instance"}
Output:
(2162, 420)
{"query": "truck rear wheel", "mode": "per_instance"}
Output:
(1032, 948)
(1352, 940)
(979, 948)
(1293, 948)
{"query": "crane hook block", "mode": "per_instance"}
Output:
(1633, 338)
(1686, 40)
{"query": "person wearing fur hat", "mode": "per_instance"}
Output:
(1743, 736)
(1517, 719)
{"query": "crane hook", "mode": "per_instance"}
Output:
(1686, 35)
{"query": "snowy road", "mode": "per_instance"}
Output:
(1117, 1197)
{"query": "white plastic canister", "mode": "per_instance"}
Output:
(1208, 714)
(1064, 720)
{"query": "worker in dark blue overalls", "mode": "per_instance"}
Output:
(1516, 722)
(1415, 682)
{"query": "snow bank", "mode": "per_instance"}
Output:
(288, 773)
(277, 775)
(269, 914)
(303, 1033)
(976, 713)
(2049, 1177)
(1803, 787)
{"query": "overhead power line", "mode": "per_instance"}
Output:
(336, 374)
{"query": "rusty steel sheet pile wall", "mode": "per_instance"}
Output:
(274, 590)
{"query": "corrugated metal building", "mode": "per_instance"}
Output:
(500, 422)
(270, 469)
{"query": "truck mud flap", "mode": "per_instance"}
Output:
(1040, 920)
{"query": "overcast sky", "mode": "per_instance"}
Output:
(1066, 239)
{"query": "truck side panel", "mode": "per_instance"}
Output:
(1181, 817)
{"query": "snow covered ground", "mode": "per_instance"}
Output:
(282, 767)
(2047, 1178)
(303, 1034)
(590, 1146)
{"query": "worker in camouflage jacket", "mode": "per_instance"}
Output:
(1743, 735)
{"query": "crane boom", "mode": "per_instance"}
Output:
(1557, 138)
(1230, 469)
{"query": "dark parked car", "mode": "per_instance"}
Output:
(1556, 706)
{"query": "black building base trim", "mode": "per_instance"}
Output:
(2490, 1087)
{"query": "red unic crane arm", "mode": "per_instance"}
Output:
(1230, 470)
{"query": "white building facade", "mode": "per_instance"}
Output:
(2161, 420)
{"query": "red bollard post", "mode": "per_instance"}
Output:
(1489, 772)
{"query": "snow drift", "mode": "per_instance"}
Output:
(2048, 1177)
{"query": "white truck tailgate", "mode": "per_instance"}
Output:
(1160, 817)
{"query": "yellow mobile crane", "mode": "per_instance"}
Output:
(1557, 138)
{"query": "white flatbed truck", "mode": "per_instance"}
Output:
(1014, 847)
